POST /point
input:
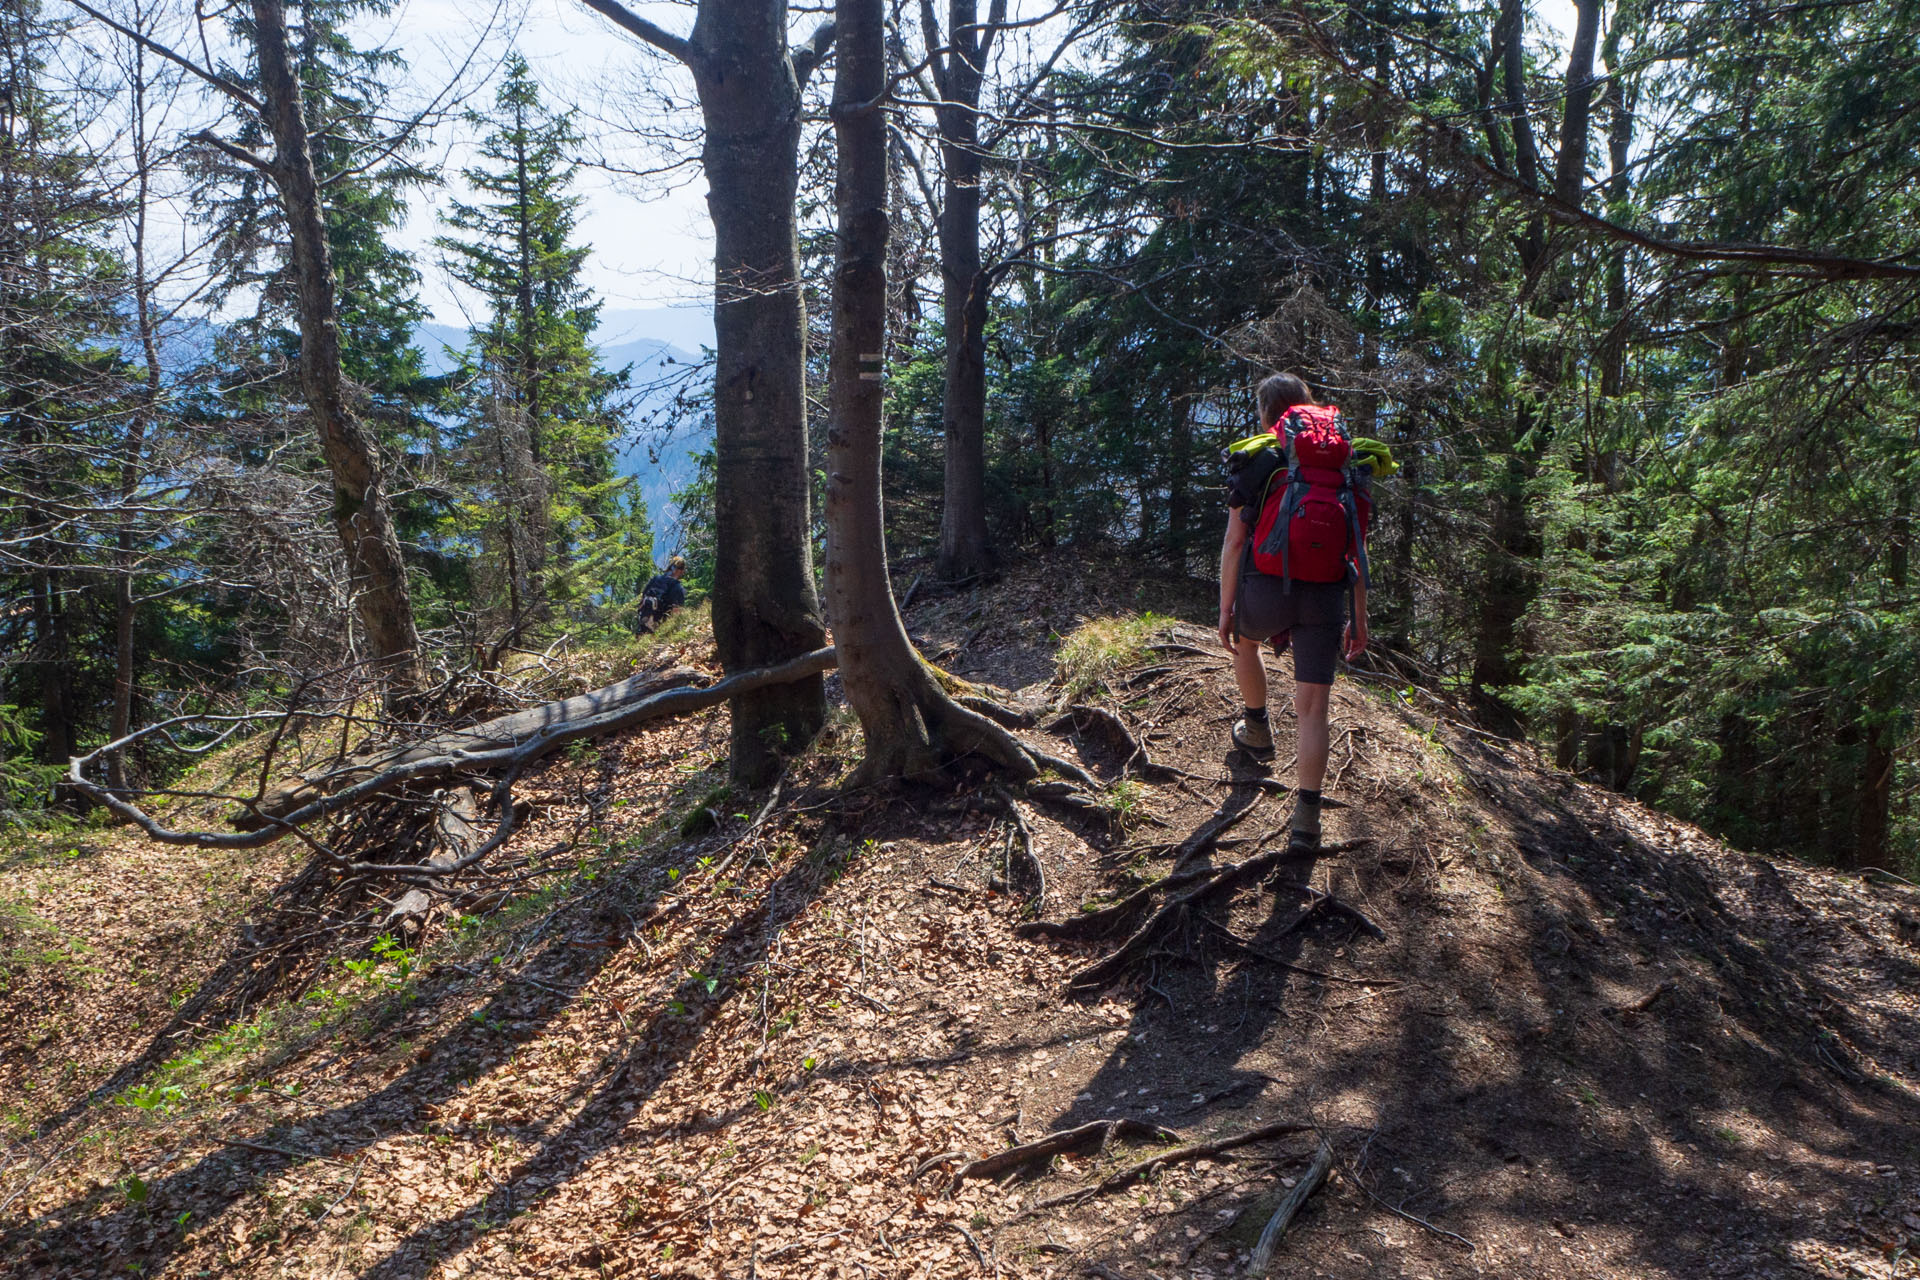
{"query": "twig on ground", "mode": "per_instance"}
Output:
(1352, 1177)
(1311, 1182)
(1267, 957)
(978, 1252)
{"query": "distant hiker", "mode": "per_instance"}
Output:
(663, 595)
(1295, 554)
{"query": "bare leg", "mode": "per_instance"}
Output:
(1310, 724)
(1250, 673)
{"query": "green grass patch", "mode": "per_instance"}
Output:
(1098, 650)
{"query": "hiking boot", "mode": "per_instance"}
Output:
(1255, 737)
(1306, 826)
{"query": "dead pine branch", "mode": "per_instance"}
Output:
(1314, 1178)
(1096, 1132)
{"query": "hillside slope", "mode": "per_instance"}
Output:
(1591, 1042)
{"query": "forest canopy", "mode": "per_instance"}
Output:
(1636, 306)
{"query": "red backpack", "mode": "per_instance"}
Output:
(1314, 516)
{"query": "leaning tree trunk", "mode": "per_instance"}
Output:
(964, 547)
(765, 608)
(360, 515)
(910, 723)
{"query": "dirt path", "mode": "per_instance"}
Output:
(1591, 1042)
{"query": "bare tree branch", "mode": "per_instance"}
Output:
(818, 48)
(635, 25)
(213, 78)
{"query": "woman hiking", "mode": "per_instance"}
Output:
(1285, 607)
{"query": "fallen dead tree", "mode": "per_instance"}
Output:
(528, 727)
(506, 745)
(501, 748)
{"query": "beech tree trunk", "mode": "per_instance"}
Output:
(765, 607)
(910, 724)
(360, 515)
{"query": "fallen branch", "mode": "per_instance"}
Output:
(490, 735)
(558, 724)
(1312, 1181)
(1098, 1132)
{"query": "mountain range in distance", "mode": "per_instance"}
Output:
(652, 343)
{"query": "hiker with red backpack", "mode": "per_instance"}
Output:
(1294, 558)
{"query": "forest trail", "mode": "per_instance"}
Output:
(1592, 1041)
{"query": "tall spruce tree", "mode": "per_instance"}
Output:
(540, 414)
(62, 386)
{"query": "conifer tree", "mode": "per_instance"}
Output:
(541, 415)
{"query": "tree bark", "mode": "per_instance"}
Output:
(126, 550)
(1510, 34)
(964, 546)
(911, 726)
(1570, 171)
(360, 515)
(765, 608)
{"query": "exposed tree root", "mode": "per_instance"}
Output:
(1002, 715)
(1124, 1178)
(1020, 836)
(1174, 911)
(1098, 1132)
(1223, 820)
(1113, 734)
(1099, 923)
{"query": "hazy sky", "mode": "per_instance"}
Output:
(651, 240)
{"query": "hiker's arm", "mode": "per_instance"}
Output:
(1357, 629)
(1230, 557)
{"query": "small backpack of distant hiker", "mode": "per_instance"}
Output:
(1314, 502)
(653, 604)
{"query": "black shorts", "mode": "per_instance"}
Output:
(1315, 613)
